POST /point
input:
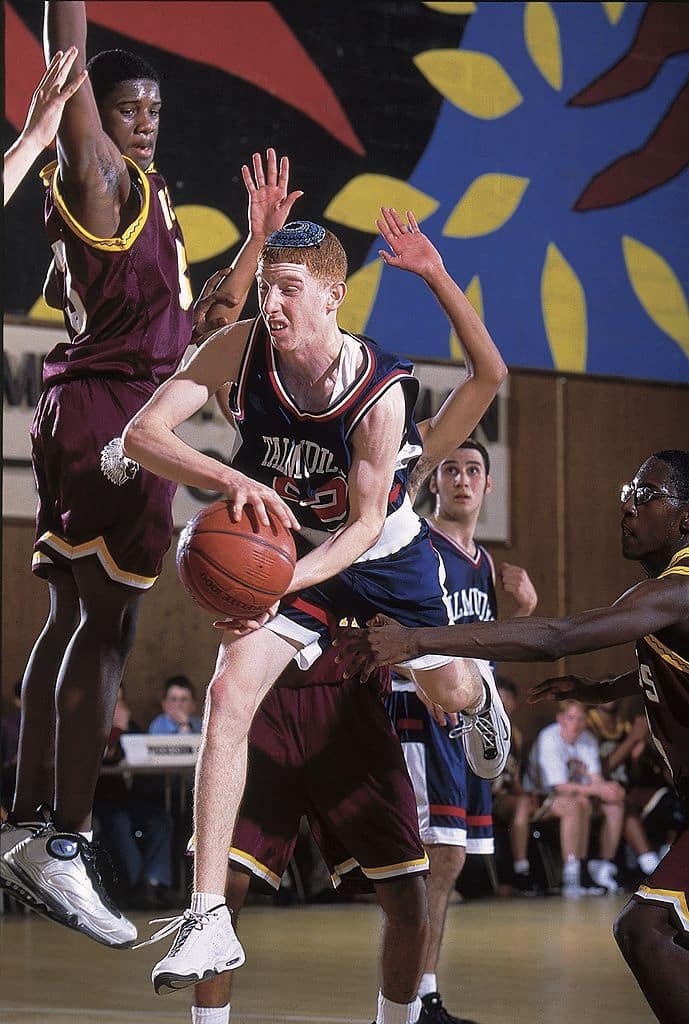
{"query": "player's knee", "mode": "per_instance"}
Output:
(403, 902)
(229, 707)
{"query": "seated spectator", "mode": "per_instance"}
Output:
(564, 766)
(179, 705)
(9, 745)
(653, 797)
(136, 831)
(512, 806)
(620, 742)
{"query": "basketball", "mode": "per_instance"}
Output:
(237, 570)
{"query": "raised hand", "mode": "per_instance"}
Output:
(410, 249)
(270, 203)
(516, 582)
(48, 101)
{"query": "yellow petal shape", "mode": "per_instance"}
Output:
(475, 296)
(207, 232)
(358, 203)
(487, 204)
(362, 288)
(543, 41)
(658, 290)
(42, 311)
(451, 8)
(475, 82)
(564, 312)
(614, 12)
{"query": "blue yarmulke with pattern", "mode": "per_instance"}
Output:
(298, 234)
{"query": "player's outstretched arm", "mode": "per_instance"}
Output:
(588, 691)
(270, 204)
(42, 119)
(91, 166)
(150, 438)
(412, 250)
(649, 606)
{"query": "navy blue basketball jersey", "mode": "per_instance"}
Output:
(126, 300)
(469, 580)
(306, 456)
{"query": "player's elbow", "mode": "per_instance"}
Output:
(134, 438)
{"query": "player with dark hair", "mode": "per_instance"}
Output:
(325, 420)
(454, 805)
(119, 273)
(653, 929)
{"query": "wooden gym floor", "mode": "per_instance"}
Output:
(540, 961)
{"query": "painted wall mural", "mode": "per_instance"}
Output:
(543, 146)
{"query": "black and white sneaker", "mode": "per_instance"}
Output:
(486, 735)
(10, 836)
(205, 945)
(433, 1012)
(59, 870)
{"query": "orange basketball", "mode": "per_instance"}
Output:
(233, 569)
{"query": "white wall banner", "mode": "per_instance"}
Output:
(25, 347)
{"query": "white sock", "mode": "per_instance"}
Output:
(210, 1014)
(397, 1013)
(521, 867)
(428, 983)
(88, 836)
(648, 861)
(203, 901)
(571, 871)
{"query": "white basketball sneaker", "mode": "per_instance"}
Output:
(59, 869)
(603, 874)
(11, 836)
(205, 945)
(486, 735)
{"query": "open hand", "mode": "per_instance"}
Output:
(270, 204)
(410, 249)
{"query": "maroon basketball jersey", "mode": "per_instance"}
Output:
(664, 679)
(126, 300)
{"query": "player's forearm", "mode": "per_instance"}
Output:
(531, 639)
(159, 450)
(234, 289)
(17, 163)
(483, 360)
(336, 554)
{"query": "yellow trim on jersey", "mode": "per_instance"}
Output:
(667, 654)
(96, 547)
(677, 557)
(120, 243)
(673, 897)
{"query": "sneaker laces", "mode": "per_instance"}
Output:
(183, 924)
(486, 730)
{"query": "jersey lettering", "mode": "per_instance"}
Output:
(471, 604)
(647, 684)
(297, 459)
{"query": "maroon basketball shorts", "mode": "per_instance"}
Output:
(92, 500)
(330, 753)
(669, 883)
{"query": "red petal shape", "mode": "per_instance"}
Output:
(663, 31)
(664, 154)
(24, 65)
(247, 39)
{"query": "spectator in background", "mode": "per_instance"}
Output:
(564, 763)
(619, 743)
(179, 705)
(136, 830)
(9, 745)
